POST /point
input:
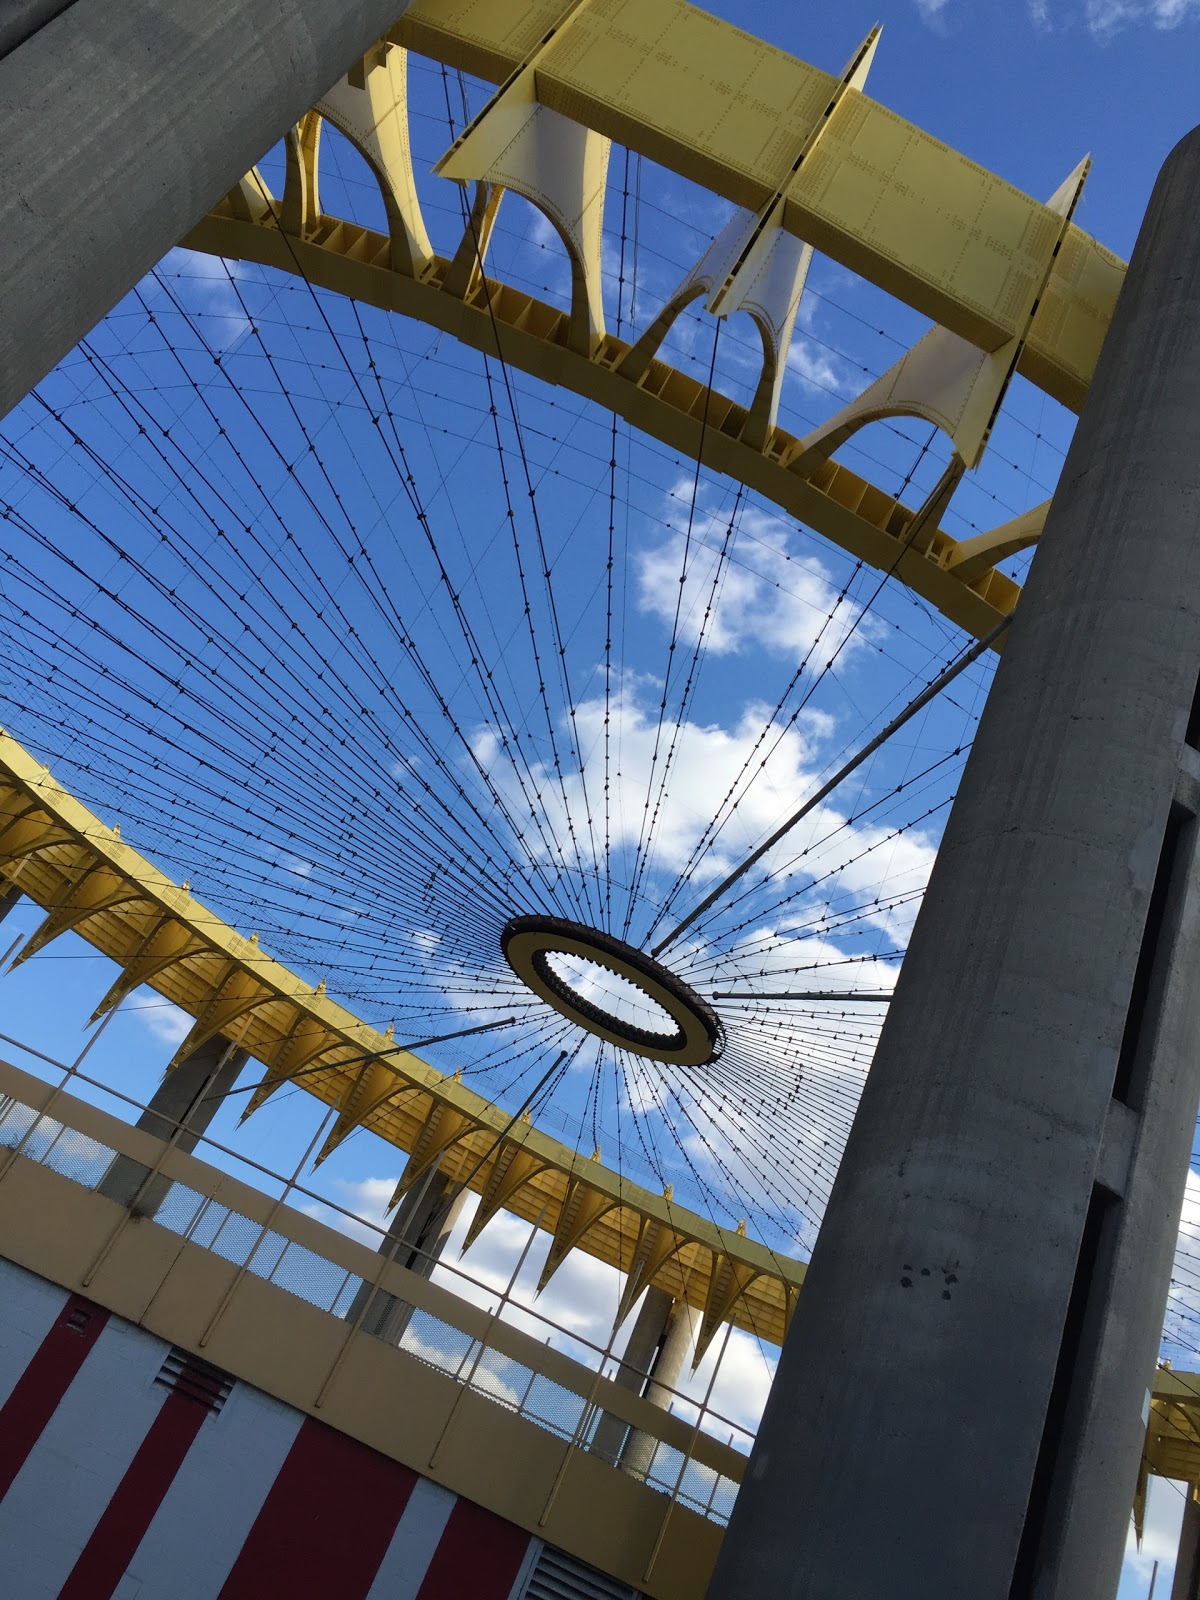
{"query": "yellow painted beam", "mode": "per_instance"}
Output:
(663, 402)
(879, 195)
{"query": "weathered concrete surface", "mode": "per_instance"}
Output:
(21, 19)
(899, 1455)
(180, 1110)
(678, 1342)
(417, 1236)
(1187, 1566)
(121, 123)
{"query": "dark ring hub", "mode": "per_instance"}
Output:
(528, 944)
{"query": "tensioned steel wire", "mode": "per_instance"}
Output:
(472, 981)
(365, 635)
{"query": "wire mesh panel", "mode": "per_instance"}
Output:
(41, 1133)
(310, 1277)
(551, 1406)
(15, 1122)
(208, 1224)
(235, 1238)
(437, 1343)
(79, 1158)
(179, 1208)
(267, 1254)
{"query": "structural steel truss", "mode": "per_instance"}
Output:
(1011, 283)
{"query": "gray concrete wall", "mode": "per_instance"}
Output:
(122, 122)
(949, 1344)
(21, 19)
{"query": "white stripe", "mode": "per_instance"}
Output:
(73, 1471)
(31, 1306)
(417, 1536)
(206, 1514)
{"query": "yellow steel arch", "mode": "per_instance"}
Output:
(878, 194)
(1014, 284)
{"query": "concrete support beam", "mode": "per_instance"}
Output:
(676, 1345)
(419, 1231)
(1187, 1563)
(641, 1351)
(21, 19)
(181, 1109)
(661, 1339)
(121, 124)
(959, 1405)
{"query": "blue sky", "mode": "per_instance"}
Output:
(151, 717)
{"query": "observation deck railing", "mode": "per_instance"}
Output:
(214, 1264)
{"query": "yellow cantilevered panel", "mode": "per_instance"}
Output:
(728, 111)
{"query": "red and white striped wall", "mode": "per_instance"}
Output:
(130, 1472)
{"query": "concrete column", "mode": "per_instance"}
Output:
(186, 1100)
(1187, 1562)
(958, 1407)
(121, 123)
(678, 1340)
(641, 1351)
(419, 1231)
(21, 19)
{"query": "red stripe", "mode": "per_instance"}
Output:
(45, 1380)
(122, 1527)
(478, 1556)
(327, 1522)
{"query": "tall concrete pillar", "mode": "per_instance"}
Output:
(419, 1231)
(182, 1107)
(958, 1409)
(121, 123)
(1186, 1583)
(675, 1346)
(1187, 1563)
(641, 1352)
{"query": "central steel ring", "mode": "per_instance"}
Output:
(529, 942)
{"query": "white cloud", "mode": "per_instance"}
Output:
(159, 1017)
(202, 285)
(818, 368)
(765, 599)
(931, 10)
(1105, 18)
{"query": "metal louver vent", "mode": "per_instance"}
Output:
(78, 1314)
(194, 1379)
(558, 1576)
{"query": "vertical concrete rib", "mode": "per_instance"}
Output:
(121, 123)
(181, 1108)
(975, 1307)
(677, 1344)
(416, 1238)
(1187, 1563)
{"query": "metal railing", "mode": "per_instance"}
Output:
(564, 1395)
